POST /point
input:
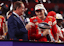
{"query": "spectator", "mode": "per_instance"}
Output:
(59, 19)
(16, 27)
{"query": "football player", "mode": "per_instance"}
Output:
(53, 14)
(59, 19)
(40, 34)
(2, 27)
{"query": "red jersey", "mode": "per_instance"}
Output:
(2, 20)
(35, 32)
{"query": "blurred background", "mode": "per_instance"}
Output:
(50, 5)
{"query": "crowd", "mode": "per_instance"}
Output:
(18, 27)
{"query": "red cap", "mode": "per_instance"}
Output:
(52, 13)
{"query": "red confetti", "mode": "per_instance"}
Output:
(29, 12)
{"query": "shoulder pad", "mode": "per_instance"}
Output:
(33, 17)
(50, 17)
(1, 16)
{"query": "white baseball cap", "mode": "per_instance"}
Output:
(39, 7)
(59, 16)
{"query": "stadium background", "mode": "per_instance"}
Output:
(50, 5)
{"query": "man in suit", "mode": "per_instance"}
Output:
(16, 27)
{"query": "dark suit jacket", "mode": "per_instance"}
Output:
(16, 28)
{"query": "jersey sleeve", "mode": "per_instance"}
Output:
(31, 23)
(54, 28)
(32, 33)
(3, 19)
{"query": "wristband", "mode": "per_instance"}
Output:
(42, 34)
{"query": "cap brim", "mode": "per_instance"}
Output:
(38, 9)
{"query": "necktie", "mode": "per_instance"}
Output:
(22, 19)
